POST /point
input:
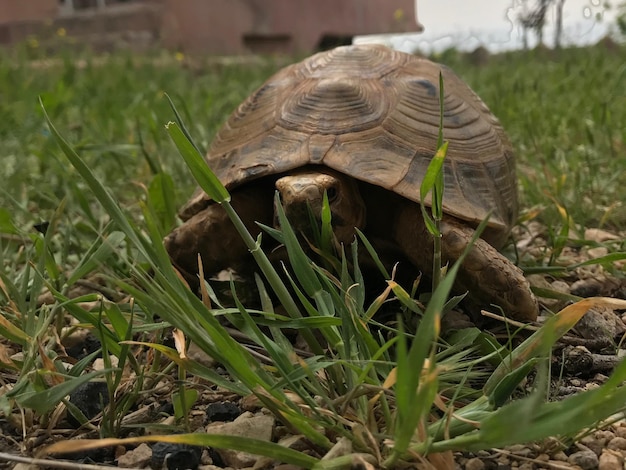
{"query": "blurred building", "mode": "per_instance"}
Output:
(206, 26)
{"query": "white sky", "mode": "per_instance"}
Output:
(467, 24)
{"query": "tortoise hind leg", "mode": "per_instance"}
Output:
(486, 275)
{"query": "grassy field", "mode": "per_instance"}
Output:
(565, 116)
(565, 113)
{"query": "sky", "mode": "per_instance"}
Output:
(467, 24)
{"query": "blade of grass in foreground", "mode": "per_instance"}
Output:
(216, 190)
(207, 180)
(104, 196)
(244, 444)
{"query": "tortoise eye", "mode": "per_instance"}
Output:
(331, 193)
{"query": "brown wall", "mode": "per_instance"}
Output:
(27, 10)
(210, 26)
(237, 26)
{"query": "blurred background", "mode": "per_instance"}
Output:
(233, 27)
(501, 25)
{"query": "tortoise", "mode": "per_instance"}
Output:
(361, 123)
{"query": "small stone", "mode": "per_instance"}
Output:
(586, 288)
(175, 456)
(135, 458)
(99, 363)
(247, 425)
(600, 379)
(597, 252)
(599, 235)
(617, 443)
(620, 431)
(560, 456)
(560, 286)
(474, 464)
(593, 444)
(600, 322)
(194, 352)
(521, 450)
(516, 448)
(604, 433)
(503, 460)
(223, 411)
(609, 461)
(538, 280)
(591, 386)
(90, 398)
(585, 459)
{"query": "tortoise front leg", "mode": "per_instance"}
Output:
(211, 234)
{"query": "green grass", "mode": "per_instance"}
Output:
(565, 114)
(114, 114)
(565, 117)
(111, 197)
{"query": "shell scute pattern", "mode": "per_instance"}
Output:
(373, 114)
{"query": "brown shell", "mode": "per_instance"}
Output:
(372, 113)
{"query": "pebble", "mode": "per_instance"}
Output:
(138, 457)
(609, 461)
(585, 459)
(474, 464)
(600, 379)
(586, 288)
(617, 443)
(560, 286)
(503, 462)
(594, 444)
(604, 434)
(620, 431)
(521, 450)
(599, 235)
(597, 252)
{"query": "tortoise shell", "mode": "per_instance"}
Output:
(373, 114)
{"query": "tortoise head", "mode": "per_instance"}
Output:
(305, 188)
